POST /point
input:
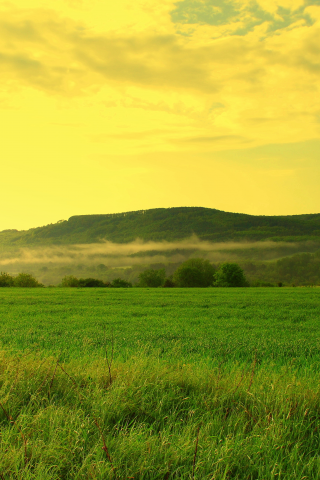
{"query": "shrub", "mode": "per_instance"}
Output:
(6, 280)
(69, 281)
(257, 283)
(152, 278)
(230, 275)
(168, 283)
(25, 280)
(195, 272)
(92, 283)
(119, 283)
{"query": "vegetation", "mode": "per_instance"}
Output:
(297, 270)
(195, 272)
(71, 281)
(300, 269)
(23, 280)
(153, 384)
(169, 224)
(152, 278)
(120, 283)
(154, 420)
(230, 275)
(6, 280)
(216, 324)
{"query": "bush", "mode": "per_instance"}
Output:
(230, 275)
(195, 272)
(119, 283)
(168, 283)
(6, 280)
(25, 280)
(152, 278)
(69, 281)
(92, 283)
(257, 283)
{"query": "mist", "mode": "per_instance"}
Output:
(107, 260)
(140, 252)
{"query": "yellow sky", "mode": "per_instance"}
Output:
(117, 106)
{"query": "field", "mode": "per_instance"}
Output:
(160, 383)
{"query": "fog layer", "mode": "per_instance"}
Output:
(140, 252)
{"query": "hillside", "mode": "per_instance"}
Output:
(168, 224)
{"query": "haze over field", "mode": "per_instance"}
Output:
(119, 106)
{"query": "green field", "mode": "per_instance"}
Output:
(210, 325)
(204, 384)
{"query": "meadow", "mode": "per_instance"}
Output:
(159, 383)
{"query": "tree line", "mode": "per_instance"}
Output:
(193, 273)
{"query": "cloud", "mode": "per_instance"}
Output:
(59, 55)
(211, 139)
(259, 65)
(130, 135)
(242, 17)
(218, 12)
(47, 51)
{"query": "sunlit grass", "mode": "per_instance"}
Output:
(204, 384)
(74, 421)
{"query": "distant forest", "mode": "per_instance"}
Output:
(168, 224)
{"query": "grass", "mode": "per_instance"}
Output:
(204, 384)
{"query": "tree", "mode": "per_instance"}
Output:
(6, 280)
(119, 283)
(195, 272)
(168, 283)
(152, 278)
(25, 280)
(230, 275)
(69, 281)
(92, 283)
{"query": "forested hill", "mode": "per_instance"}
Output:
(168, 224)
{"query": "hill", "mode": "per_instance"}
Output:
(168, 224)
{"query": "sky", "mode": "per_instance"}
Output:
(110, 107)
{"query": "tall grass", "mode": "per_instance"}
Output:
(147, 418)
(159, 384)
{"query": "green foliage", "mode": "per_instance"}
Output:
(230, 275)
(168, 283)
(25, 280)
(120, 283)
(169, 224)
(6, 280)
(69, 281)
(195, 272)
(261, 284)
(152, 278)
(92, 283)
(299, 269)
